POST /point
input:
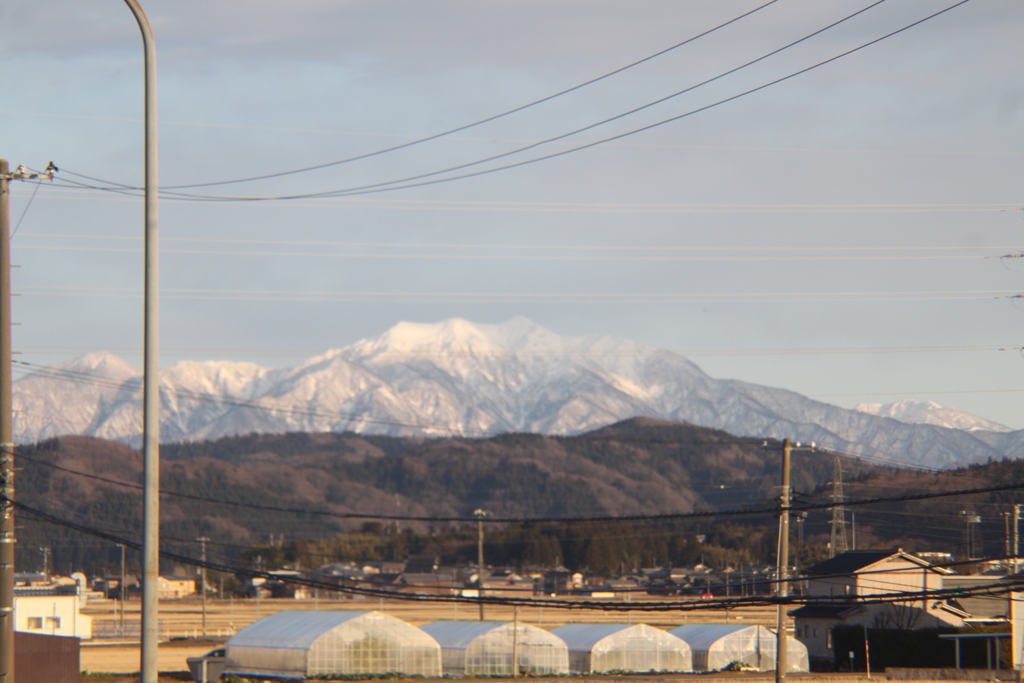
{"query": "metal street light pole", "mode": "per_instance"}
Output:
(150, 369)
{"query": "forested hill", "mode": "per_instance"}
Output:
(639, 466)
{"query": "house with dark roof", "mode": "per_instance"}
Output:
(839, 590)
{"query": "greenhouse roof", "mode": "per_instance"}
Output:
(291, 629)
(702, 636)
(586, 636)
(459, 634)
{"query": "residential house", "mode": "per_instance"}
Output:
(842, 584)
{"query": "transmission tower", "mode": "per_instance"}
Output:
(838, 544)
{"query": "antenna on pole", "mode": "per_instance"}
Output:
(838, 541)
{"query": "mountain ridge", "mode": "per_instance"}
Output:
(457, 378)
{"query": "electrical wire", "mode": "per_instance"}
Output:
(997, 587)
(25, 210)
(940, 566)
(481, 122)
(750, 511)
(622, 115)
(396, 185)
(392, 204)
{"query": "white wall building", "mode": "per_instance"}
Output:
(51, 611)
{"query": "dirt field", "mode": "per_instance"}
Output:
(125, 658)
(184, 619)
(170, 677)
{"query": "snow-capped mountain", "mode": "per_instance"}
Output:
(931, 413)
(460, 378)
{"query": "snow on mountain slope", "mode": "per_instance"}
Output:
(929, 412)
(460, 378)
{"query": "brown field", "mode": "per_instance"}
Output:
(183, 619)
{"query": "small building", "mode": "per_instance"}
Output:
(175, 587)
(296, 644)
(485, 648)
(606, 648)
(716, 646)
(54, 611)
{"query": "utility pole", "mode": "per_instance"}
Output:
(203, 540)
(480, 514)
(123, 589)
(838, 541)
(782, 562)
(6, 437)
(46, 562)
(6, 424)
(1016, 536)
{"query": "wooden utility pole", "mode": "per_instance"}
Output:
(6, 438)
(6, 424)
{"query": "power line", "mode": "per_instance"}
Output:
(498, 353)
(529, 257)
(380, 203)
(751, 511)
(393, 184)
(622, 115)
(994, 588)
(396, 184)
(522, 247)
(481, 122)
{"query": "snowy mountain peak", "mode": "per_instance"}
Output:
(103, 364)
(459, 337)
(928, 412)
(458, 377)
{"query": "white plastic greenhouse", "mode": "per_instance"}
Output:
(603, 648)
(297, 644)
(484, 648)
(716, 646)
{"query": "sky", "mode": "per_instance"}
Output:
(838, 233)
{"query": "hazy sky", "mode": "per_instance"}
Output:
(837, 234)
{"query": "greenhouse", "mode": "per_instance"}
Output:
(604, 648)
(298, 644)
(485, 648)
(716, 646)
